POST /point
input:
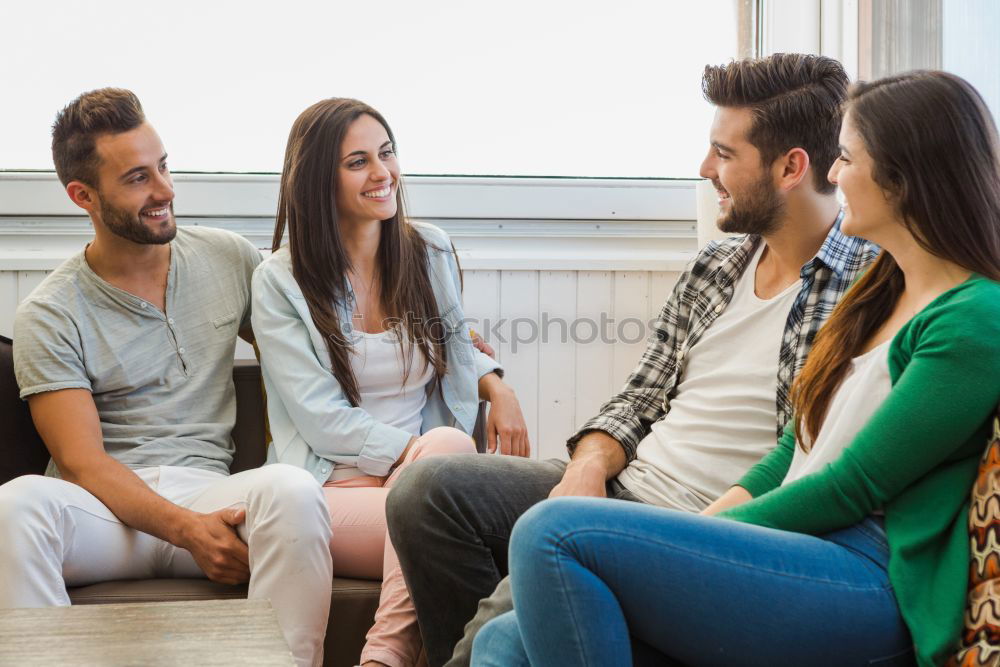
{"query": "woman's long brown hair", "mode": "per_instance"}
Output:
(935, 153)
(307, 207)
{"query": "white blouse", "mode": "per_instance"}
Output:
(378, 366)
(860, 394)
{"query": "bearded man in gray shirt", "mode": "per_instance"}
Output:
(125, 354)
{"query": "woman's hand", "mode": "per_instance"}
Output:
(482, 345)
(406, 452)
(505, 421)
(736, 495)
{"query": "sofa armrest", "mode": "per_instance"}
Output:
(479, 430)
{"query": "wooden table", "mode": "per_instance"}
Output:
(209, 632)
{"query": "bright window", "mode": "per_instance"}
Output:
(557, 87)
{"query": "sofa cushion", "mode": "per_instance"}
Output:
(23, 452)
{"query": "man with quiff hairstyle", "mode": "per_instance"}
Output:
(125, 356)
(710, 395)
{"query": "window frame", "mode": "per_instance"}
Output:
(478, 207)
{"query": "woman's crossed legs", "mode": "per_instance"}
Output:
(362, 550)
(589, 576)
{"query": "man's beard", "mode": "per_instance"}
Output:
(129, 225)
(758, 210)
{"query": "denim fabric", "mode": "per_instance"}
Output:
(590, 576)
(450, 518)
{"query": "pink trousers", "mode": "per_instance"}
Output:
(362, 549)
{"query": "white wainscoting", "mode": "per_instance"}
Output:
(560, 382)
(14, 287)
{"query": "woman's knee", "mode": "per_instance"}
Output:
(547, 520)
(498, 643)
(444, 440)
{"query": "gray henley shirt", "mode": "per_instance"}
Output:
(161, 381)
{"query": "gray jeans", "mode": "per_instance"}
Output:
(450, 519)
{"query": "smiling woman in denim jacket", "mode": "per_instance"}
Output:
(366, 358)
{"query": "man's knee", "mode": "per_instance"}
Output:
(408, 496)
(290, 494)
(426, 488)
(24, 498)
(25, 505)
(457, 488)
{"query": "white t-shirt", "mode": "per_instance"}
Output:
(722, 419)
(378, 366)
(863, 389)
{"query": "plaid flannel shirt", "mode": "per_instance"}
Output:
(701, 295)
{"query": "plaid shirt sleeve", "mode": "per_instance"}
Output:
(627, 417)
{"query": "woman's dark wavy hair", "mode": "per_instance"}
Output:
(307, 207)
(936, 155)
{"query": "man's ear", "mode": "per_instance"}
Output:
(82, 195)
(791, 168)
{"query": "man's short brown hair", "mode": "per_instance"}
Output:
(82, 121)
(796, 101)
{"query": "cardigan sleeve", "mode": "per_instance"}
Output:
(946, 388)
(771, 469)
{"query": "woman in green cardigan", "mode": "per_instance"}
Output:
(847, 545)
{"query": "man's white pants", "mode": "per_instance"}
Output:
(55, 534)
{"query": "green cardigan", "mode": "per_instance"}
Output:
(916, 458)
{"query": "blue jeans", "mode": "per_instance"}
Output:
(591, 576)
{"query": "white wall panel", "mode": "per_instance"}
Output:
(8, 302)
(560, 381)
(661, 284)
(519, 308)
(594, 359)
(631, 312)
(481, 299)
(557, 380)
(27, 281)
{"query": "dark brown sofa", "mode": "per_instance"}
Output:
(353, 603)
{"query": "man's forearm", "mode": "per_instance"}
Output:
(490, 385)
(597, 458)
(597, 448)
(69, 425)
(130, 499)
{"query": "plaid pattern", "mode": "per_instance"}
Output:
(701, 295)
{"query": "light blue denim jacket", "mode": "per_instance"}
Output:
(312, 423)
